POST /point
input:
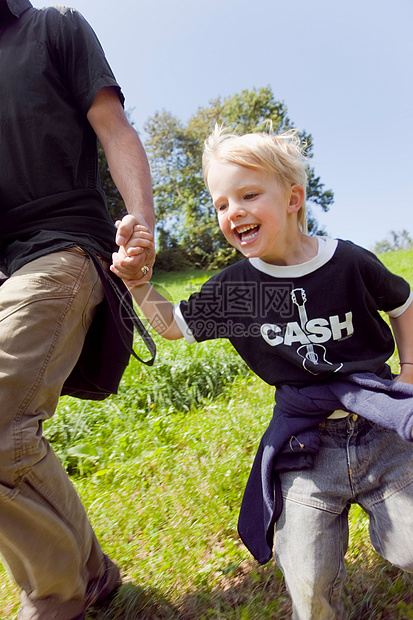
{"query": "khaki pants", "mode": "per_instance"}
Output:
(45, 537)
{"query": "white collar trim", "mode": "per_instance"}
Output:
(326, 249)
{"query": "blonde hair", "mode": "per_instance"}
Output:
(279, 154)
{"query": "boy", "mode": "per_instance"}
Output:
(303, 313)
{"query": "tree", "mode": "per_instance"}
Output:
(185, 215)
(395, 241)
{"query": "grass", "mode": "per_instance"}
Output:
(161, 469)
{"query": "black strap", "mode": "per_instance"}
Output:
(121, 306)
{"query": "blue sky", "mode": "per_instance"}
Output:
(343, 69)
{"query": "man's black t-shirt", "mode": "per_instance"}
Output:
(51, 68)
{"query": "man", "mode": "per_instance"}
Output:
(57, 93)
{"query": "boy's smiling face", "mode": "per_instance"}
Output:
(254, 211)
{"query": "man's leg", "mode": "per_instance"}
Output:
(45, 537)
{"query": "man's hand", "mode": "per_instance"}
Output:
(136, 256)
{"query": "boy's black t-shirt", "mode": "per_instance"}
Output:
(304, 323)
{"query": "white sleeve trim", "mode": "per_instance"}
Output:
(398, 311)
(183, 325)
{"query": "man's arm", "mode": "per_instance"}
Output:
(402, 327)
(129, 169)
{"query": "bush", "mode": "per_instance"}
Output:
(88, 435)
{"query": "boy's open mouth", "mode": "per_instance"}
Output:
(247, 233)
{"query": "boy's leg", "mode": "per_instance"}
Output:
(312, 532)
(45, 536)
(389, 501)
(310, 552)
(358, 462)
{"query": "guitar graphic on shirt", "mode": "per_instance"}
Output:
(313, 354)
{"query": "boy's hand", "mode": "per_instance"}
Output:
(402, 327)
(136, 256)
(406, 374)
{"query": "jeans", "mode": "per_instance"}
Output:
(46, 539)
(359, 462)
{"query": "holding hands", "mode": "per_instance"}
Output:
(134, 260)
(133, 263)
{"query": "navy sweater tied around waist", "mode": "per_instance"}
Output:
(292, 440)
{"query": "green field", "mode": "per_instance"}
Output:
(161, 468)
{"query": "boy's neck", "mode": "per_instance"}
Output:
(297, 251)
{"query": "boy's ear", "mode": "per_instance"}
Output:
(296, 199)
